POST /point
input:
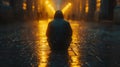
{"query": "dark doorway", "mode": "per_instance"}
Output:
(112, 4)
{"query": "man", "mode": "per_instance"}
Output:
(59, 33)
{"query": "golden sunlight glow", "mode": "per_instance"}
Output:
(66, 7)
(24, 6)
(42, 29)
(46, 2)
(98, 5)
(75, 59)
(43, 48)
(49, 6)
(33, 7)
(87, 7)
(42, 65)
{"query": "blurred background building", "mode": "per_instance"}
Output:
(90, 10)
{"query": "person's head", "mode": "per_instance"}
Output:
(58, 15)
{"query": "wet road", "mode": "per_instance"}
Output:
(25, 45)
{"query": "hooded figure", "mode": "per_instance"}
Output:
(59, 33)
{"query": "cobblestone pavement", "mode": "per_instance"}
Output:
(93, 45)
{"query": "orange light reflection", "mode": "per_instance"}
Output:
(44, 50)
(75, 59)
(66, 7)
(49, 8)
(87, 6)
(98, 5)
(24, 6)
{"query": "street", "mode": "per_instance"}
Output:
(24, 44)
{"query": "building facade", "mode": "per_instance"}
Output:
(116, 15)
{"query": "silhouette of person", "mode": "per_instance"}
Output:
(59, 33)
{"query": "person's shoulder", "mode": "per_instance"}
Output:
(66, 22)
(51, 21)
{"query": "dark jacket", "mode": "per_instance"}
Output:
(59, 32)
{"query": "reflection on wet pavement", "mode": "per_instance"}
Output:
(46, 58)
(25, 45)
